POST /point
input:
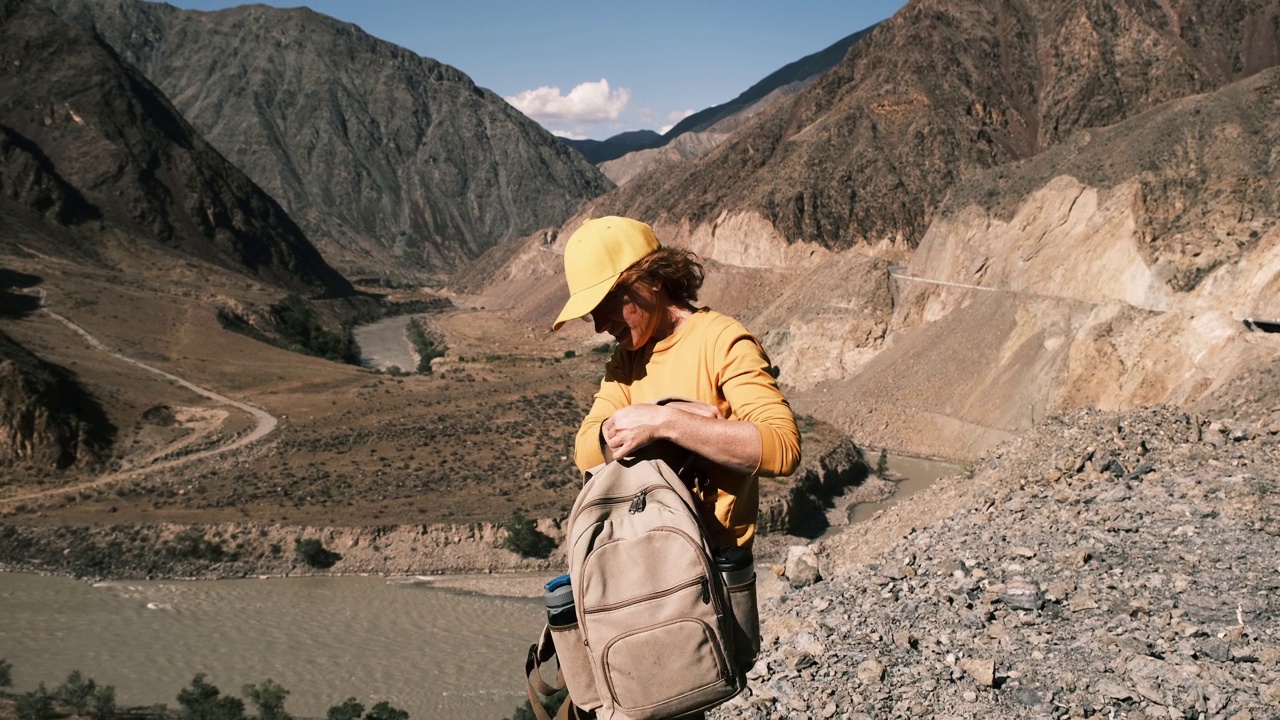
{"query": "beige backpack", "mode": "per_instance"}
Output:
(658, 633)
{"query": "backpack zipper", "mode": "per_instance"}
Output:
(637, 503)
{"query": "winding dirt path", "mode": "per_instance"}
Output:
(265, 423)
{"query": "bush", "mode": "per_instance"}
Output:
(427, 342)
(882, 465)
(570, 354)
(191, 544)
(6, 673)
(524, 538)
(302, 331)
(203, 701)
(76, 693)
(268, 698)
(35, 705)
(350, 709)
(104, 703)
(385, 711)
(314, 554)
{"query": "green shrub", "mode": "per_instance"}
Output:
(76, 693)
(882, 465)
(6, 673)
(570, 354)
(350, 709)
(203, 701)
(604, 349)
(268, 697)
(427, 342)
(104, 703)
(302, 331)
(35, 705)
(385, 711)
(314, 554)
(523, 537)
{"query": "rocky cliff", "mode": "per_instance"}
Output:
(47, 420)
(866, 154)
(89, 144)
(393, 164)
(1102, 175)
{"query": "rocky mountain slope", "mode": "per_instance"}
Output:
(1105, 565)
(617, 155)
(1115, 219)
(867, 153)
(95, 156)
(393, 164)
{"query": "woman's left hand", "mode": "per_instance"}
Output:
(634, 427)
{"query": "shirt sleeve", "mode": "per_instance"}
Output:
(753, 394)
(612, 396)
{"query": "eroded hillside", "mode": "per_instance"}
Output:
(394, 164)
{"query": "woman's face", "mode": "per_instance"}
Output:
(633, 314)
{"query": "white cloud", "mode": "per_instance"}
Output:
(674, 117)
(591, 102)
(569, 134)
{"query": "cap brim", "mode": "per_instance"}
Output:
(584, 301)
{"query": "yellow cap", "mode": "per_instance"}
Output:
(596, 254)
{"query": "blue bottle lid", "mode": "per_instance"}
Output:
(556, 583)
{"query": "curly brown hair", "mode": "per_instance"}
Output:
(677, 270)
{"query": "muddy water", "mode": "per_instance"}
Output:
(910, 475)
(432, 652)
(384, 343)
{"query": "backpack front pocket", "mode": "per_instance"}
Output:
(667, 669)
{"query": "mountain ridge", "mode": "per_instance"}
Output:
(394, 164)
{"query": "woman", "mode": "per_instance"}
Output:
(733, 414)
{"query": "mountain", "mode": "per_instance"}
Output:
(393, 164)
(795, 73)
(784, 81)
(1078, 212)
(93, 151)
(598, 151)
(941, 89)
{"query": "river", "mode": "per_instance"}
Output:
(430, 651)
(384, 344)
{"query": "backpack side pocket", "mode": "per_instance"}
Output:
(575, 665)
(746, 624)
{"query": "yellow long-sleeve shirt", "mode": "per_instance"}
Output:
(713, 359)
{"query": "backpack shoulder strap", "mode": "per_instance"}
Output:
(539, 653)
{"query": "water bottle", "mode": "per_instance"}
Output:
(559, 599)
(736, 565)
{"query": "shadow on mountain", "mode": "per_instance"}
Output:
(47, 418)
(16, 305)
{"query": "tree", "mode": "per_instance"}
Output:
(76, 693)
(312, 552)
(104, 703)
(525, 538)
(350, 709)
(384, 711)
(203, 701)
(268, 697)
(882, 465)
(35, 705)
(6, 673)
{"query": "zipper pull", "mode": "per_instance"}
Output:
(637, 503)
(706, 592)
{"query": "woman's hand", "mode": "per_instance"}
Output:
(634, 427)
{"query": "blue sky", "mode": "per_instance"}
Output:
(594, 69)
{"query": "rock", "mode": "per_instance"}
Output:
(983, 672)
(1022, 595)
(870, 672)
(802, 566)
